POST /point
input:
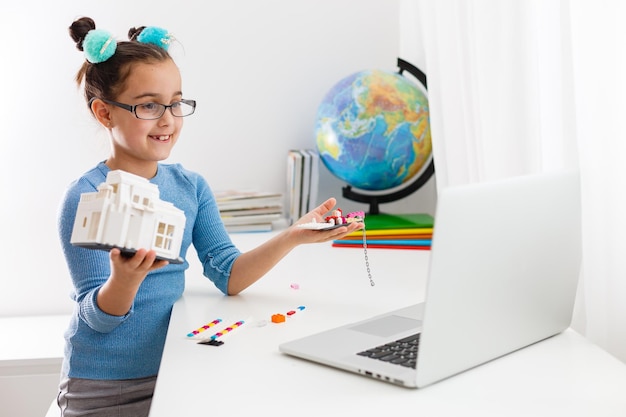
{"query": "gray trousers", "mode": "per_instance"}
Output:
(87, 397)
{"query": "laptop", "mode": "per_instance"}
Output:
(504, 267)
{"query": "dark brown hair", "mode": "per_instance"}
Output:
(107, 79)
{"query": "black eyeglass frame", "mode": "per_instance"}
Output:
(133, 108)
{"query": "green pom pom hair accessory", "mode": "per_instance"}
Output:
(99, 46)
(156, 36)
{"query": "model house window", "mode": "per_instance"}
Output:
(164, 234)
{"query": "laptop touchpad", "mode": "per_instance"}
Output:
(387, 326)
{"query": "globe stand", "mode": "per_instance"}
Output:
(375, 200)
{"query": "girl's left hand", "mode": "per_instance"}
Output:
(315, 236)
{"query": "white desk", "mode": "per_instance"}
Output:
(565, 375)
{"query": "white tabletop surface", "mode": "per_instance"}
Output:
(564, 375)
(31, 344)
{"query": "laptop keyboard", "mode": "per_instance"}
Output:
(401, 352)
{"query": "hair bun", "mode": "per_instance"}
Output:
(79, 29)
(99, 45)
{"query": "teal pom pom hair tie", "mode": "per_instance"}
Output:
(99, 46)
(156, 36)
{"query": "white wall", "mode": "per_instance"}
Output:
(258, 70)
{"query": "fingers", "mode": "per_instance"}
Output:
(349, 228)
(143, 259)
(326, 206)
(332, 234)
(319, 211)
(159, 264)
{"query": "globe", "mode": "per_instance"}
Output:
(372, 130)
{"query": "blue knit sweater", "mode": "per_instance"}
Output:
(102, 346)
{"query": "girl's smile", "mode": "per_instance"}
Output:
(163, 138)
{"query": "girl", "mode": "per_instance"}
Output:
(122, 305)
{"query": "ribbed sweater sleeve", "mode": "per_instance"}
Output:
(214, 247)
(208, 234)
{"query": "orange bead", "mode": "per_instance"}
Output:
(278, 318)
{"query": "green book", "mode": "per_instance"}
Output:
(398, 221)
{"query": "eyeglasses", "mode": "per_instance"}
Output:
(152, 111)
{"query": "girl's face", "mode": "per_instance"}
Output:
(137, 145)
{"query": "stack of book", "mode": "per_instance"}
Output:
(249, 211)
(392, 231)
(302, 182)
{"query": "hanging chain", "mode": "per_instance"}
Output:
(367, 261)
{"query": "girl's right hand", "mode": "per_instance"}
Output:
(134, 269)
(117, 294)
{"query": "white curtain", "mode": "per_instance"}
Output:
(525, 86)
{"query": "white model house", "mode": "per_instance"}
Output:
(126, 213)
